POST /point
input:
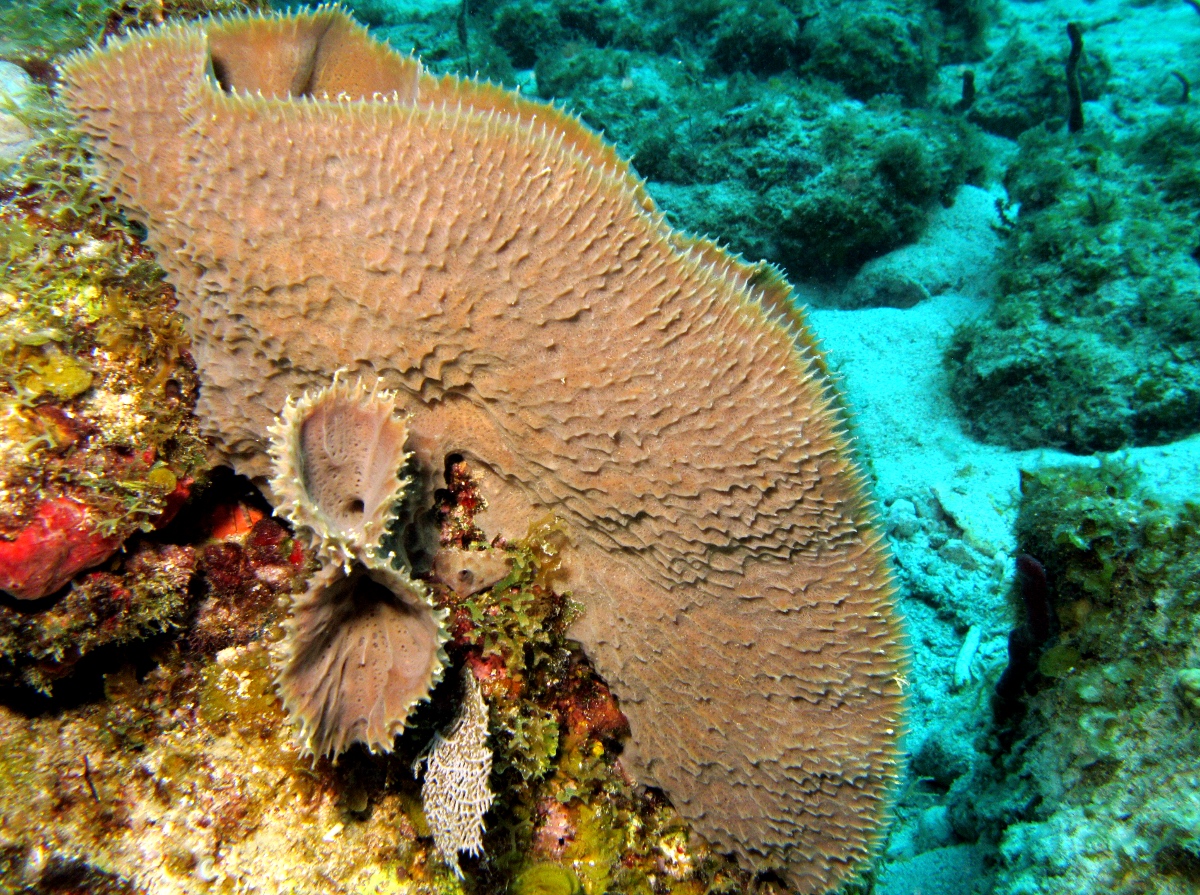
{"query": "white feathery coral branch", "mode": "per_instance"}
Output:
(456, 794)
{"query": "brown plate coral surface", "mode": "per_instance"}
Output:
(320, 205)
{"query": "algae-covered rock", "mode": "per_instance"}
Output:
(792, 173)
(1095, 793)
(747, 118)
(1022, 86)
(187, 777)
(149, 596)
(529, 29)
(965, 25)
(36, 31)
(760, 36)
(1094, 340)
(874, 47)
(40, 29)
(823, 190)
(97, 438)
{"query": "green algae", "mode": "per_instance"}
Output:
(595, 850)
(61, 376)
(1106, 543)
(531, 738)
(547, 879)
(38, 31)
(47, 28)
(875, 47)
(1058, 661)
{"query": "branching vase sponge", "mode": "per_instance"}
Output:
(363, 644)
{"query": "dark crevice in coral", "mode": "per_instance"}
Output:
(220, 486)
(220, 74)
(1025, 642)
(32, 607)
(85, 682)
(62, 875)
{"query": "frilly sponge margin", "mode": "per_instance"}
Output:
(337, 455)
(363, 644)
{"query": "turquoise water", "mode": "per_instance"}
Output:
(989, 211)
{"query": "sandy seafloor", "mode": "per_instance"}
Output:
(918, 455)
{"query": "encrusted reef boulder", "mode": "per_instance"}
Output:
(1095, 792)
(97, 437)
(1094, 340)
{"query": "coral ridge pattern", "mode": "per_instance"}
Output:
(321, 204)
